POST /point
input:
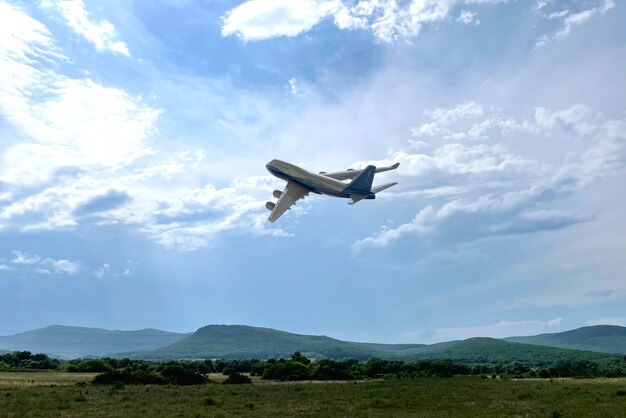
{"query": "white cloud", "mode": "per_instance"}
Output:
(100, 272)
(468, 121)
(263, 19)
(455, 159)
(82, 123)
(441, 119)
(444, 191)
(62, 266)
(554, 322)
(578, 117)
(46, 265)
(558, 15)
(72, 122)
(73, 125)
(468, 18)
(4, 267)
(388, 20)
(190, 219)
(570, 19)
(510, 214)
(505, 210)
(293, 86)
(101, 34)
(24, 258)
(501, 329)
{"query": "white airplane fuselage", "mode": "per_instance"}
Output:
(316, 183)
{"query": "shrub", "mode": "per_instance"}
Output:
(179, 376)
(237, 379)
(210, 401)
(113, 376)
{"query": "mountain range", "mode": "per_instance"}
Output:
(240, 341)
(71, 342)
(600, 338)
(598, 343)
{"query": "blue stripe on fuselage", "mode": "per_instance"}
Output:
(313, 187)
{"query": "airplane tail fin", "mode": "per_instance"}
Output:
(383, 187)
(362, 184)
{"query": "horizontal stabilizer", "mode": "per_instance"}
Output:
(356, 198)
(383, 187)
(351, 174)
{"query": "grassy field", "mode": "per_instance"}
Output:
(57, 394)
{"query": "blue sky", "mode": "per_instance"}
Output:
(134, 137)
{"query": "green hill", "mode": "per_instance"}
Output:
(491, 350)
(72, 342)
(240, 341)
(600, 338)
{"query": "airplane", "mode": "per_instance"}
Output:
(301, 182)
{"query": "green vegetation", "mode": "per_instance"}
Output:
(237, 341)
(426, 397)
(327, 369)
(235, 378)
(493, 351)
(299, 367)
(24, 360)
(600, 338)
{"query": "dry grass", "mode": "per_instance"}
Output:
(453, 397)
(45, 378)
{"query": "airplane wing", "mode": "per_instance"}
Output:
(292, 193)
(351, 174)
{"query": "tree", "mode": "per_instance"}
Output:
(297, 356)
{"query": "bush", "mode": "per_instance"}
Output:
(237, 379)
(126, 376)
(326, 369)
(148, 378)
(113, 376)
(286, 370)
(88, 366)
(179, 376)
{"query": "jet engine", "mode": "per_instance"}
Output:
(270, 205)
(277, 194)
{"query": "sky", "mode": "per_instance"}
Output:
(134, 137)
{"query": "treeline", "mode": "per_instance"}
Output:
(182, 372)
(195, 366)
(298, 367)
(25, 360)
(301, 368)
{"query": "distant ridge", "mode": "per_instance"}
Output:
(71, 342)
(239, 341)
(599, 338)
(242, 341)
